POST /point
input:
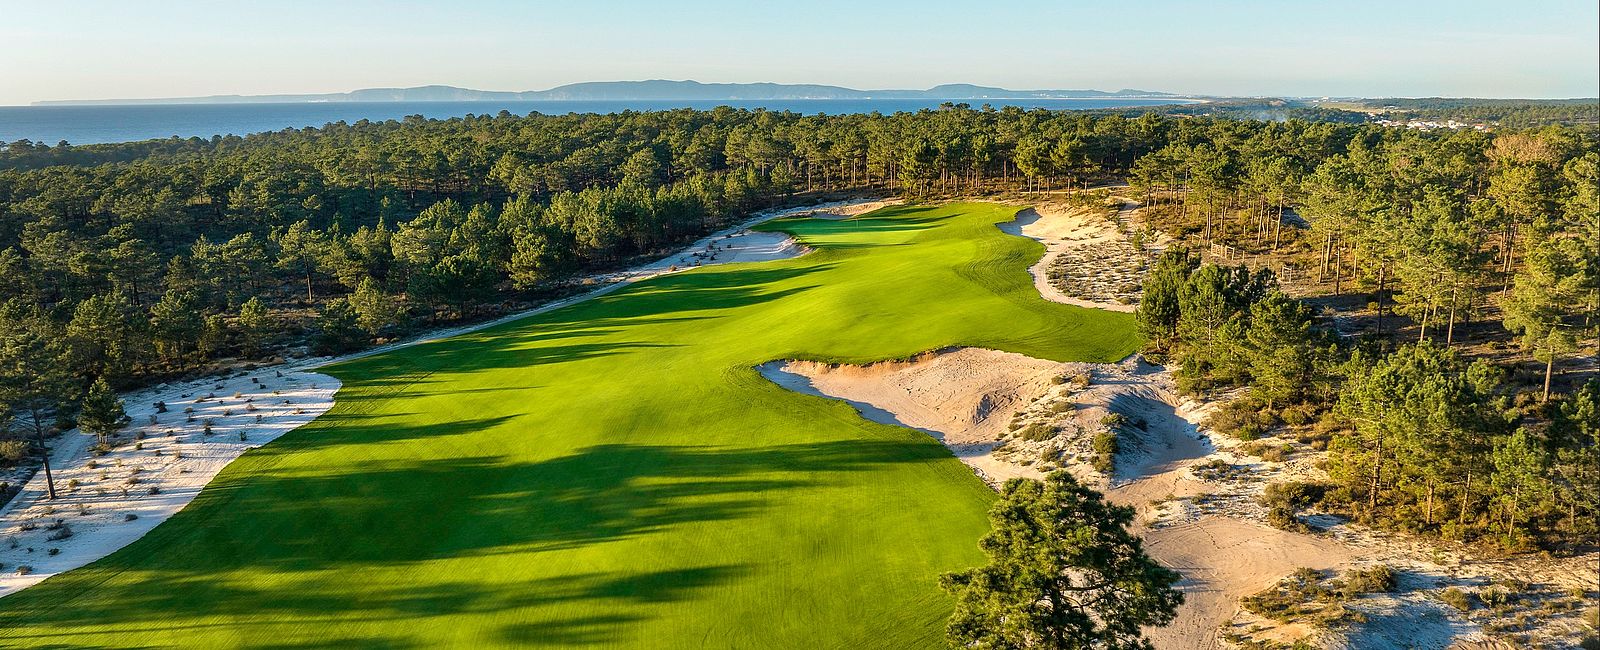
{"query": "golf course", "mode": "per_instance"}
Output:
(611, 473)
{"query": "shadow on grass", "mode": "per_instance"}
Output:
(304, 524)
(669, 299)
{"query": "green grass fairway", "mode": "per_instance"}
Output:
(611, 473)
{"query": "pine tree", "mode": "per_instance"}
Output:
(102, 413)
(1063, 572)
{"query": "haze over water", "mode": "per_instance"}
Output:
(122, 123)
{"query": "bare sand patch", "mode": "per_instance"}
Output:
(1224, 559)
(158, 464)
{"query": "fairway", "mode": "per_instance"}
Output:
(611, 473)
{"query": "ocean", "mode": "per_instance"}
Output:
(124, 123)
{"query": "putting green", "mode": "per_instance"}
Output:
(610, 473)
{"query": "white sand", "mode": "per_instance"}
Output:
(178, 466)
(964, 397)
(967, 398)
(1065, 231)
(851, 210)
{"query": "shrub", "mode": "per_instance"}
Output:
(59, 533)
(54, 551)
(1285, 500)
(1080, 381)
(1113, 420)
(1243, 419)
(130, 517)
(161, 407)
(1298, 414)
(1268, 451)
(1456, 598)
(1493, 597)
(1293, 596)
(12, 451)
(23, 569)
(1037, 432)
(1379, 578)
(1105, 449)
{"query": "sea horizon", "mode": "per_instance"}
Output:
(111, 123)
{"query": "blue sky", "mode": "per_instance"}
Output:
(94, 49)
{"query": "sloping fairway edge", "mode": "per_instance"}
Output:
(612, 473)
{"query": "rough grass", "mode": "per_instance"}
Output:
(613, 473)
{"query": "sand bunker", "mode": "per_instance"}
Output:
(1087, 262)
(850, 210)
(741, 246)
(964, 397)
(158, 464)
(1008, 415)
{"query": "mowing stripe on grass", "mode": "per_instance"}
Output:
(610, 473)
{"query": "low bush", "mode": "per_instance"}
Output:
(1105, 451)
(1379, 578)
(1037, 432)
(1299, 594)
(1268, 451)
(1285, 500)
(12, 451)
(1298, 414)
(1243, 419)
(1456, 598)
(57, 534)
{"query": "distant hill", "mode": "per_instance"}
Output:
(657, 89)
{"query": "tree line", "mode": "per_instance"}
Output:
(131, 262)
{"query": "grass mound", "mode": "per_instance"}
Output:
(611, 473)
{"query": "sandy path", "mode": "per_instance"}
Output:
(109, 500)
